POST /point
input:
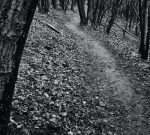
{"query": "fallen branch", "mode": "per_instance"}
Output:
(49, 25)
(126, 31)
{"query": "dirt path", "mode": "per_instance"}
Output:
(117, 79)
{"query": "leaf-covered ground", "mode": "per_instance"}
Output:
(62, 88)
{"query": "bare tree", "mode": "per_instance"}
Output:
(43, 6)
(90, 11)
(83, 18)
(114, 12)
(143, 13)
(54, 3)
(15, 20)
(64, 4)
(73, 3)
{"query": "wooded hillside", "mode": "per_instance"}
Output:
(74, 67)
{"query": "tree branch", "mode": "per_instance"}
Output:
(49, 25)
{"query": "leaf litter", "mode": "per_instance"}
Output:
(61, 89)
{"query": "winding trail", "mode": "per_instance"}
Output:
(117, 79)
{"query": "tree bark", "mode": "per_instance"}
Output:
(146, 48)
(113, 16)
(83, 19)
(64, 4)
(54, 3)
(15, 19)
(143, 27)
(95, 13)
(43, 6)
(90, 11)
(73, 3)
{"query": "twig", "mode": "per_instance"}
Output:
(49, 25)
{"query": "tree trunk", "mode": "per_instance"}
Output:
(54, 3)
(15, 19)
(113, 16)
(145, 54)
(102, 11)
(95, 13)
(83, 19)
(90, 11)
(43, 6)
(64, 4)
(73, 3)
(142, 14)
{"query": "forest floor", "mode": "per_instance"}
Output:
(80, 81)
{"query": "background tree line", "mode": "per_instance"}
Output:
(133, 13)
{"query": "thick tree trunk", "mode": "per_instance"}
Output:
(83, 19)
(15, 19)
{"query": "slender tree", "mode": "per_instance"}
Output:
(64, 4)
(90, 11)
(15, 20)
(83, 18)
(54, 3)
(145, 56)
(142, 14)
(43, 6)
(114, 13)
(73, 3)
(95, 12)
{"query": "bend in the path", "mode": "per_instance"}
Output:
(116, 78)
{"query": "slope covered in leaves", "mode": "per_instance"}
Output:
(62, 89)
(125, 51)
